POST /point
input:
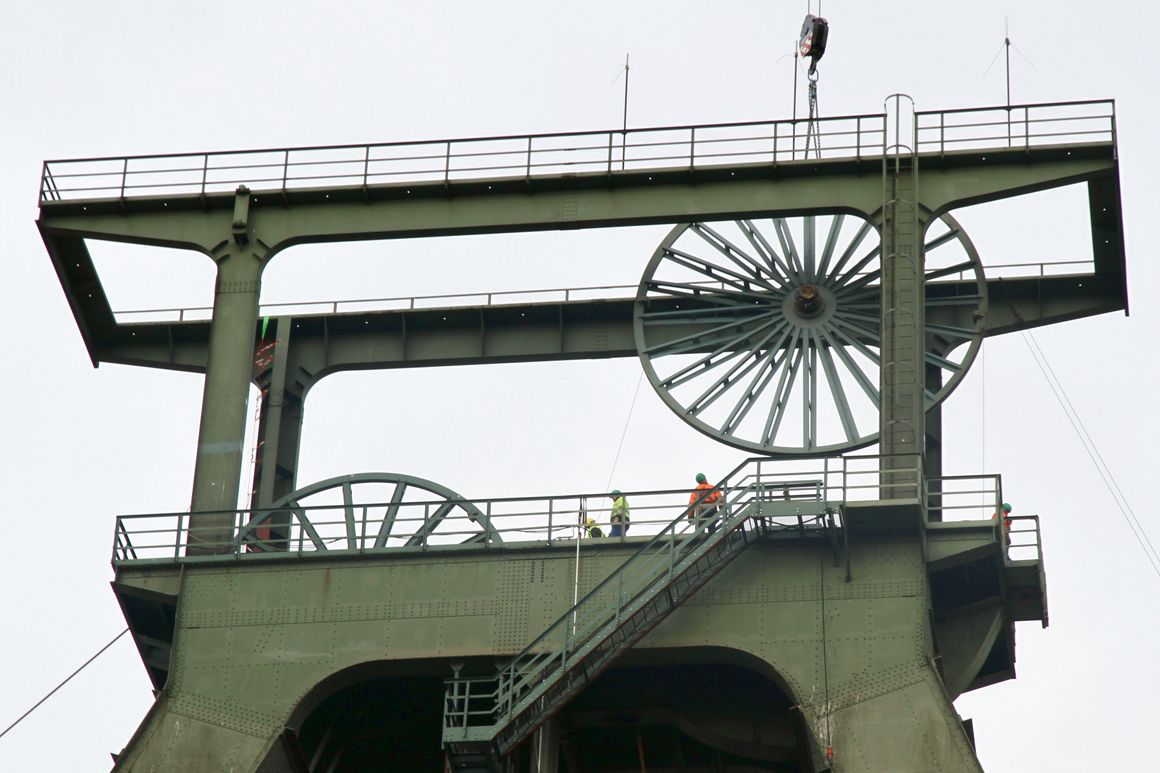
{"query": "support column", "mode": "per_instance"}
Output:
(279, 429)
(932, 454)
(229, 366)
(546, 747)
(903, 368)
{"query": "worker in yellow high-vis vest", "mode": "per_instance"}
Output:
(618, 518)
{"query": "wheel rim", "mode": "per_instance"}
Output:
(765, 334)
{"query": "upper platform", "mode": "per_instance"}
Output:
(564, 181)
(402, 524)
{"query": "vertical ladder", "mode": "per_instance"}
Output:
(485, 718)
(903, 375)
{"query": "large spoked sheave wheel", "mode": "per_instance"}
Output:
(765, 334)
(368, 511)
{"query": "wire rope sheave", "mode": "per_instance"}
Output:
(367, 511)
(766, 334)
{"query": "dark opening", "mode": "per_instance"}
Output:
(378, 725)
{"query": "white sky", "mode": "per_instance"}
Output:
(82, 445)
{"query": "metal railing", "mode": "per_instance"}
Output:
(399, 303)
(307, 528)
(497, 298)
(1024, 541)
(621, 608)
(980, 498)
(965, 497)
(1016, 126)
(449, 161)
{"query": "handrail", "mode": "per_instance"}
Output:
(442, 161)
(618, 611)
(1026, 126)
(1019, 546)
(490, 297)
(524, 156)
(423, 523)
(1020, 106)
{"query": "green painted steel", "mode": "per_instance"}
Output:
(869, 629)
(902, 425)
(255, 645)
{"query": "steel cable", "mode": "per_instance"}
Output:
(1093, 452)
(52, 692)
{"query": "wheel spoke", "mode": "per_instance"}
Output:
(958, 268)
(756, 387)
(784, 387)
(429, 524)
(739, 371)
(391, 515)
(850, 331)
(348, 514)
(939, 241)
(857, 267)
(954, 300)
(951, 332)
(705, 315)
(868, 386)
(707, 362)
(719, 295)
(934, 359)
(831, 242)
(864, 280)
(702, 338)
(788, 248)
(714, 271)
(763, 248)
(738, 256)
(809, 391)
(856, 316)
(307, 526)
(809, 235)
(851, 248)
(836, 389)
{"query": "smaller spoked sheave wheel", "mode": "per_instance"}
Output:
(368, 511)
(765, 334)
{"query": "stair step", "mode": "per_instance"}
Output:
(588, 638)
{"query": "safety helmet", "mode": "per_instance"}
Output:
(591, 522)
(615, 493)
(700, 477)
(1006, 507)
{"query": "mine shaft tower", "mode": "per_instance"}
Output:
(801, 308)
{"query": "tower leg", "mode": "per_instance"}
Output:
(912, 728)
(279, 431)
(229, 368)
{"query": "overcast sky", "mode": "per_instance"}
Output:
(83, 445)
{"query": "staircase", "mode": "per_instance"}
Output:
(485, 718)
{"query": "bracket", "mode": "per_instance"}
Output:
(241, 222)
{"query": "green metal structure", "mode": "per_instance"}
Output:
(802, 308)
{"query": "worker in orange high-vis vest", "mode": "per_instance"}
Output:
(1005, 514)
(704, 503)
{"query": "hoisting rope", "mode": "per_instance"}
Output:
(813, 131)
(52, 692)
(624, 432)
(1085, 439)
(1093, 452)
